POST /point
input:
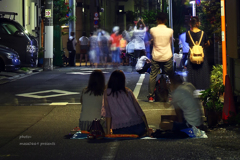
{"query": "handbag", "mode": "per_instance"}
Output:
(96, 130)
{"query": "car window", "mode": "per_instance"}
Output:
(9, 28)
(2, 30)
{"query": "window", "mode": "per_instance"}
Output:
(8, 28)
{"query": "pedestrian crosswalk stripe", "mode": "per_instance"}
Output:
(58, 93)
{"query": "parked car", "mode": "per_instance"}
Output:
(9, 59)
(14, 36)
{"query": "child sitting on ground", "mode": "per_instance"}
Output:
(91, 99)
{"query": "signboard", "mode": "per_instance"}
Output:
(96, 14)
(48, 13)
(198, 2)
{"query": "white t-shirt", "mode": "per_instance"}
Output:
(84, 40)
(161, 35)
(182, 97)
(139, 38)
(141, 62)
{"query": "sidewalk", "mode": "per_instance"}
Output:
(21, 73)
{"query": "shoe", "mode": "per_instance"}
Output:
(151, 99)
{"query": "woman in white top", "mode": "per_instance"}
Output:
(84, 45)
(91, 99)
(138, 35)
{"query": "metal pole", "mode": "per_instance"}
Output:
(224, 54)
(48, 54)
(193, 7)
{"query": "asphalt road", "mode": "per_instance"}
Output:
(37, 127)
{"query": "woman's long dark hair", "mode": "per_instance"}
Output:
(117, 82)
(96, 83)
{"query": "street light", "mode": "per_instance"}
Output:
(193, 7)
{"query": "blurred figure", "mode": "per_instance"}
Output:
(143, 65)
(115, 46)
(187, 108)
(93, 48)
(103, 43)
(123, 44)
(72, 53)
(84, 45)
(138, 35)
(147, 41)
(91, 99)
(121, 108)
(183, 45)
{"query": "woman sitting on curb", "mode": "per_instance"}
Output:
(121, 109)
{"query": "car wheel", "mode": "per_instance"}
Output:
(2, 65)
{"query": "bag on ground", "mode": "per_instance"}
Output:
(161, 90)
(96, 130)
(196, 52)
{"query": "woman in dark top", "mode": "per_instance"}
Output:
(198, 74)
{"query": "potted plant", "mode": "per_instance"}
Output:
(212, 97)
(40, 56)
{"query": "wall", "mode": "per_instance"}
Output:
(7, 6)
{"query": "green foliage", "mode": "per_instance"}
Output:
(217, 79)
(41, 52)
(150, 17)
(210, 18)
(211, 96)
(60, 10)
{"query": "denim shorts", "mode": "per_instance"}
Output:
(138, 129)
(116, 55)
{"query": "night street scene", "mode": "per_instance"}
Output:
(120, 79)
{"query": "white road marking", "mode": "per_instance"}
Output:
(58, 104)
(94, 68)
(83, 73)
(138, 85)
(58, 93)
(111, 151)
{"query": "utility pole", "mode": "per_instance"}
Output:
(224, 54)
(48, 45)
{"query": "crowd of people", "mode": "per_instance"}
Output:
(117, 103)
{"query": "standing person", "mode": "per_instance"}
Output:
(185, 49)
(91, 99)
(161, 54)
(115, 45)
(138, 35)
(121, 109)
(104, 47)
(72, 52)
(198, 74)
(84, 45)
(147, 41)
(93, 48)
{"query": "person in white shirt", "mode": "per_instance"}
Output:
(143, 65)
(84, 46)
(161, 53)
